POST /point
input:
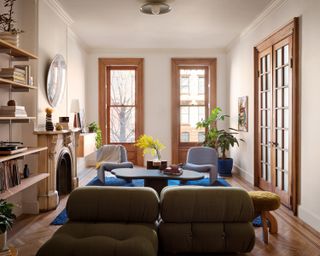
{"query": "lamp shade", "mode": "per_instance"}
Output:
(75, 106)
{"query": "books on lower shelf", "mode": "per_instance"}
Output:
(19, 74)
(10, 174)
(13, 111)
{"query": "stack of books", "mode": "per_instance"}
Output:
(18, 74)
(13, 111)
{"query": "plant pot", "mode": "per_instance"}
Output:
(3, 242)
(10, 38)
(225, 166)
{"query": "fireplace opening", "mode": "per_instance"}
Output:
(64, 169)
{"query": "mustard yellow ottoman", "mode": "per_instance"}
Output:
(264, 202)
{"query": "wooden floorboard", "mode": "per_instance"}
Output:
(295, 238)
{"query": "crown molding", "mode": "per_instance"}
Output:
(271, 8)
(76, 37)
(56, 6)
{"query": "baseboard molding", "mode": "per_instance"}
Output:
(243, 173)
(309, 217)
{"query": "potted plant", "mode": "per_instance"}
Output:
(7, 25)
(94, 127)
(221, 140)
(6, 221)
(154, 147)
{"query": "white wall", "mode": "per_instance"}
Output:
(55, 36)
(157, 86)
(240, 76)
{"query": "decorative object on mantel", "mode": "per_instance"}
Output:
(49, 124)
(64, 122)
(152, 146)
(56, 80)
(9, 33)
(75, 108)
(243, 113)
(6, 221)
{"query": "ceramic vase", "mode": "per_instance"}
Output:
(3, 242)
(49, 124)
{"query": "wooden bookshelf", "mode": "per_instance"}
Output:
(15, 51)
(25, 183)
(6, 119)
(15, 85)
(29, 151)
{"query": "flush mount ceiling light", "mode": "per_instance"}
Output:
(155, 8)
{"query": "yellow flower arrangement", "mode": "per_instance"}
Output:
(150, 145)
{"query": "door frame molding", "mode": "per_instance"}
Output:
(211, 64)
(291, 29)
(104, 63)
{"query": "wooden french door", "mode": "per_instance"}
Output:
(193, 96)
(276, 120)
(121, 104)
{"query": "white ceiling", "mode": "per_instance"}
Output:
(190, 24)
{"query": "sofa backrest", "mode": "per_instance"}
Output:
(113, 204)
(205, 204)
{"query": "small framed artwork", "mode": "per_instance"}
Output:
(243, 113)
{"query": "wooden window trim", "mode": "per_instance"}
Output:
(103, 103)
(176, 64)
(292, 28)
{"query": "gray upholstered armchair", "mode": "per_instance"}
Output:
(203, 159)
(109, 166)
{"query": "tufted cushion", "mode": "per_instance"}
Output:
(264, 200)
(114, 239)
(113, 204)
(205, 204)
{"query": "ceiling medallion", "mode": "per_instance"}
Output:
(155, 8)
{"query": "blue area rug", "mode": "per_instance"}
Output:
(112, 181)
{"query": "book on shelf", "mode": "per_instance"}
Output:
(12, 107)
(10, 174)
(18, 74)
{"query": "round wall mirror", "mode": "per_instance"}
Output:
(56, 80)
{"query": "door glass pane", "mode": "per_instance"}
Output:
(269, 99)
(285, 181)
(285, 160)
(286, 54)
(279, 77)
(279, 158)
(122, 124)
(279, 118)
(279, 57)
(192, 87)
(286, 76)
(269, 173)
(279, 138)
(286, 118)
(189, 116)
(279, 97)
(286, 97)
(122, 87)
(263, 136)
(286, 140)
(268, 63)
(263, 64)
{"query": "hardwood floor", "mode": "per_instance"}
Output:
(295, 238)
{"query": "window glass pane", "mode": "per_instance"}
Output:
(189, 116)
(122, 124)
(269, 173)
(285, 182)
(184, 85)
(286, 76)
(286, 97)
(185, 137)
(279, 77)
(279, 97)
(201, 136)
(263, 64)
(268, 63)
(196, 87)
(122, 87)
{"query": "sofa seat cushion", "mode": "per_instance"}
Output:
(206, 237)
(115, 239)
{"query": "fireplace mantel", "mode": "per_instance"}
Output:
(56, 141)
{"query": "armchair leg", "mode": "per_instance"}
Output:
(101, 174)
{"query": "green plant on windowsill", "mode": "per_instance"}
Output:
(94, 127)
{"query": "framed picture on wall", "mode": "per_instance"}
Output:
(243, 113)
